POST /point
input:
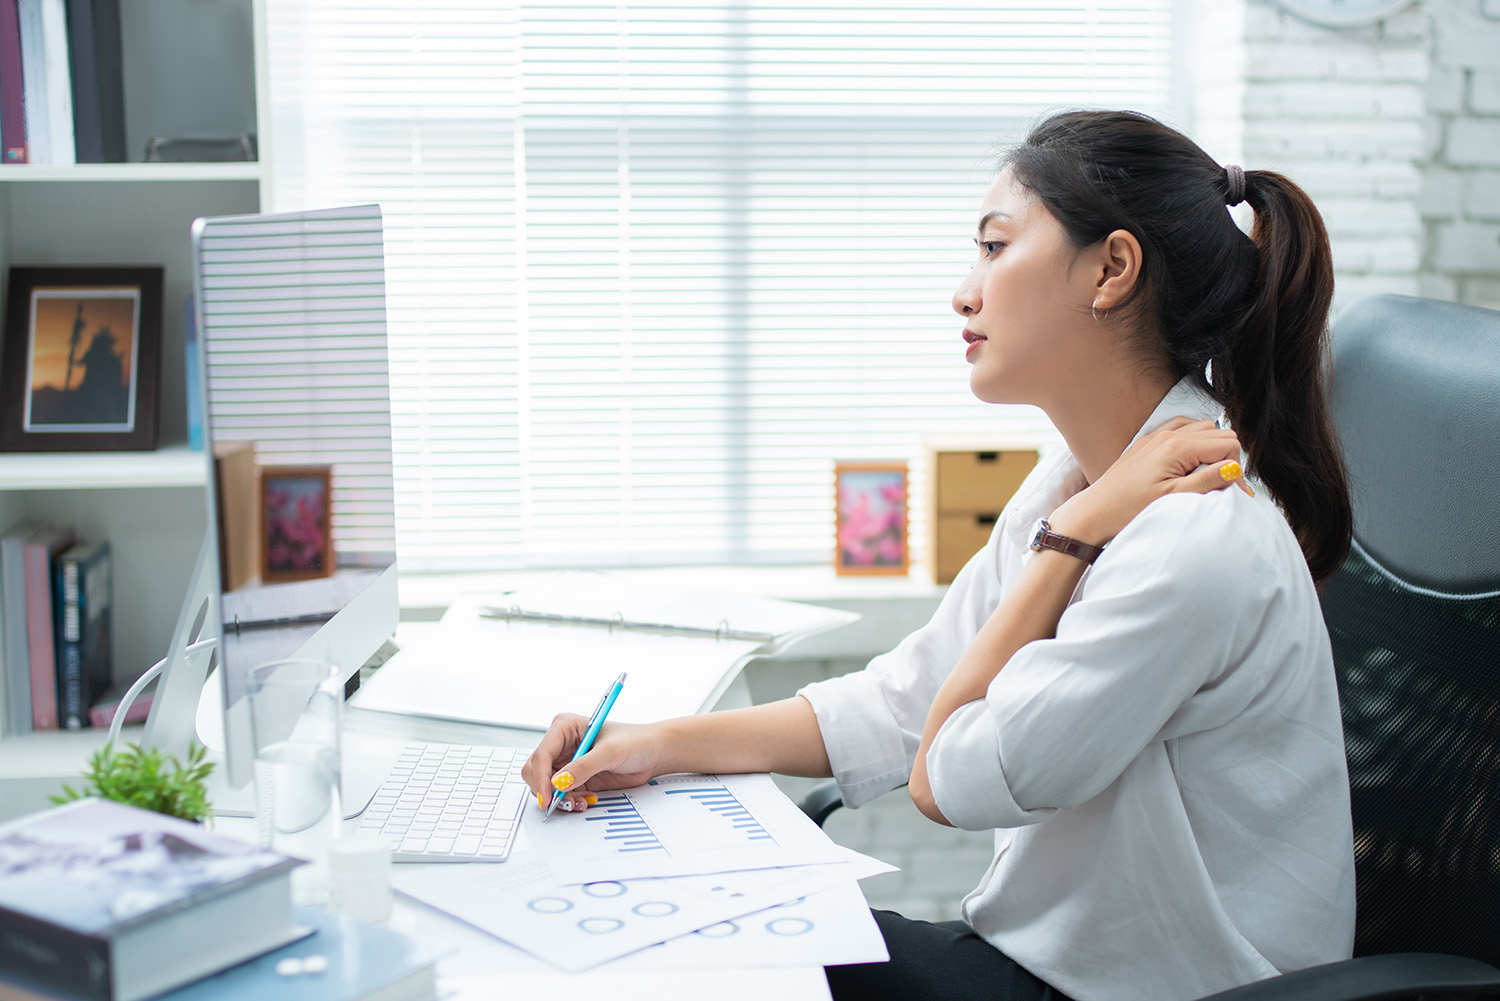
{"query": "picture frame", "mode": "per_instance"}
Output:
(296, 504)
(872, 519)
(80, 362)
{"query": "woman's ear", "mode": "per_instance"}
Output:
(1118, 268)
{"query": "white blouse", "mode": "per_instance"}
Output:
(1166, 776)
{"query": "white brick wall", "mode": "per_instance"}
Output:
(1460, 202)
(1344, 113)
(1393, 128)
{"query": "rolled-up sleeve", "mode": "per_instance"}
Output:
(1065, 716)
(871, 720)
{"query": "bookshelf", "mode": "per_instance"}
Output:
(190, 67)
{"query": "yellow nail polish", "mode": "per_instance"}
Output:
(590, 798)
(562, 781)
(541, 800)
(1230, 471)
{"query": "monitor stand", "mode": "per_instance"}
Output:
(171, 726)
(189, 704)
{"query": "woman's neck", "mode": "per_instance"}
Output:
(1099, 420)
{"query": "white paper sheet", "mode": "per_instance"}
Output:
(829, 928)
(577, 926)
(681, 825)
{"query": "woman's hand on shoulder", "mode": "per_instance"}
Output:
(1181, 456)
(623, 755)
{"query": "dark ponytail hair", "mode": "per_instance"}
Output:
(1252, 311)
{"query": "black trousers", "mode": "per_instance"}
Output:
(936, 962)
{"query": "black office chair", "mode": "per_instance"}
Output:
(1414, 616)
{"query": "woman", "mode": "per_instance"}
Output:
(1152, 729)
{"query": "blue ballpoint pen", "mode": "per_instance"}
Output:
(595, 722)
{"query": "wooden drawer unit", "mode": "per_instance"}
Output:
(968, 489)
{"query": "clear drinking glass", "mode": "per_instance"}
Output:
(295, 712)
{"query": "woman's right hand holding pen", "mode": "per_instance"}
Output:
(781, 736)
(623, 755)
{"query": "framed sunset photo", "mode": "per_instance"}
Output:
(871, 519)
(81, 359)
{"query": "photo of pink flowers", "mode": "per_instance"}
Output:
(297, 535)
(870, 499)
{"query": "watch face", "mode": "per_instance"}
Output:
(1038, 530)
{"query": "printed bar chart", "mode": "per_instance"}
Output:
(623, 825)
(721, 801)
(682, 824)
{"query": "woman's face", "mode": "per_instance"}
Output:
(1025, 306)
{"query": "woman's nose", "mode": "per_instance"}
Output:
(966, 296)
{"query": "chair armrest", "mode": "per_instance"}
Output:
(821, 800)
(1376, 978)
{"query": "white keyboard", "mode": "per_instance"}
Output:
(450, 803)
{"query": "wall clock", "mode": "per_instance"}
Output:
(1343, 13)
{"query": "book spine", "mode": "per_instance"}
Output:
(194, 376)
(17, 656)
(54, 958)
(111, 78)
(88, 127)
(59, 80)
(34, 80)
(72, 713)
(39, 638)
(97, 616)
(12, 99)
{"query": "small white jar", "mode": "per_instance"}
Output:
(359, 877)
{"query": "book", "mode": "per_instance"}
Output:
(42, 548)
(59, 80)
(98, 81)
(34, 82)
(100, 901)
(17, 655)
(194, 375)
(81, 591)
(102, 712)
(12, 91)
(365, 962)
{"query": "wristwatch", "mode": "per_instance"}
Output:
(1042, 537)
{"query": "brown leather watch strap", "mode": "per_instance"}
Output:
(1045, 538)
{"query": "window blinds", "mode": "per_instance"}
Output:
(653, 268)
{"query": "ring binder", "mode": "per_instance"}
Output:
(722, 631)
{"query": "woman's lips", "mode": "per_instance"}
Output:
(972, 339)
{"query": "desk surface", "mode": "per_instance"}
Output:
(479, 967)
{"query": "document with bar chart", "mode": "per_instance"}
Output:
(681, 825)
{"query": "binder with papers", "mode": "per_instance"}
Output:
(510, 658)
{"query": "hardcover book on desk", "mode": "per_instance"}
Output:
(344, 960)
(105, 902)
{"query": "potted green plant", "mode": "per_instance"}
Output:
(150, 779)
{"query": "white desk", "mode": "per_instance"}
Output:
(479, 967)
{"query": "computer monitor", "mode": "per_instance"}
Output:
(290, 310)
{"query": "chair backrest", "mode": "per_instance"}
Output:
(1414, 616)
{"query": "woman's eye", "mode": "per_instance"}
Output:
(989, 248)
